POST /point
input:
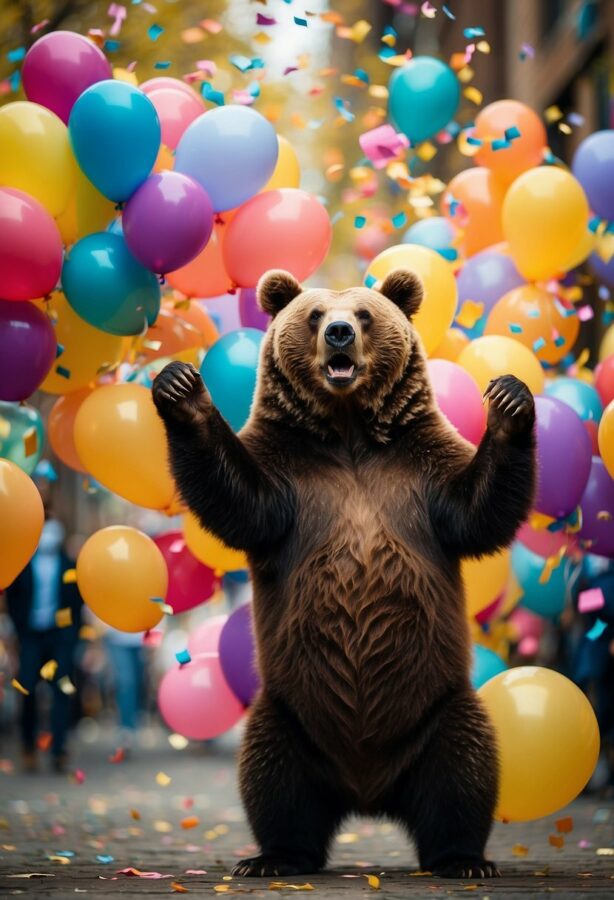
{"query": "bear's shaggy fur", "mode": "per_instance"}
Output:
(355, 501)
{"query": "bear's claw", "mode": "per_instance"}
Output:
(461, 869)
(178, 392)
(511, 405)
(268, 866)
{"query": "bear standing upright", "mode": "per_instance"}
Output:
(355, 501)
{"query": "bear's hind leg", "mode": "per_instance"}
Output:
(292, 807)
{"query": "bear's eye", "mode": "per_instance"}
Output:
(315, 316)
(363, 315)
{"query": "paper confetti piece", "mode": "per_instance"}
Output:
(135, 814)
(382, 144)
(69, 576)
(163, 64)
(164, 606)
(399, 220)
(118, 756)
(104, 859)
(66, 686)
(178, 741)
(30, 442)
(426, 151)
(299, 21)
(428, 10)
(62, 860)
(585, 313)
(357, 32)
(163, 779)
(360, 221)
(591, 600)
(79, 776)
(19, 687)
(261, 19)
(472, 94)
(470, 312)
(348, 837)
(154, 32)
(283, 886)
(63, 372)
(597, 630)
(556, 840)
(211, 26)
(190, 822)
(183, 657)
(520, 850)
(179, 888)
(564, 825)
(192, 35)
(63, 617)
(552, 114)
(44, 741)
(48, 670)
(448, 13)
(137, 873)
(373, 881)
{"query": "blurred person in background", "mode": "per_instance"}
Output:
(126, 655)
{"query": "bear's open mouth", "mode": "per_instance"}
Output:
(340, 369)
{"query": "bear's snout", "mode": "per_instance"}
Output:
(339, 335)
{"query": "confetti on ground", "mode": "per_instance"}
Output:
(520, 850)
(190, 822)
(179, 888)
(373, 881)
(284, 886)
(163, 779)
(564, 825)
(79, 776)
(556, 840)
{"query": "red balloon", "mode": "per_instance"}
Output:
(30, 247)
(604, 380)
(190, 583)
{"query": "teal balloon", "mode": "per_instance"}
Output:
(106, 286)
(423, 97)
(485, 665)
(22, 436)
(436, 233)
(548, 599)
(229, 371)
(582, 397)
(114, 130)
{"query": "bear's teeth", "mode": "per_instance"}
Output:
(341, 373)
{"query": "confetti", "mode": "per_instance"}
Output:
(66, 686)
(585, 313)
(591, 600)
(48, 670)
(183, 657)
(211, 26)
(373, 881)
(165, 64)
(118, 13)
(360, 221)
(135, 814)
(520, 850)
(79, 776)
(470, 313)
(190, 822)
(527, 51)
(154, 32)
(399, 220)
(564, 825)
(472, 94)
(178, 741)
(471, 33)
(448, 13)
(426, 151)
(382, 144)
(428, 10)
(69, 576)
(556, 840)
(118, 756)
(19, 687)
(179, 888)
(299, 21)
(63, 617)
(163, 779)
(44, 741)
(104, 859)
(16, 55)
(283, 886)
(265, 20)
(597, 630)
(552, 114)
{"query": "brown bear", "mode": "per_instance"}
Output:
(355, 501)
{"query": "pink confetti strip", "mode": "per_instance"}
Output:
(591, 600)
(382, 144)
(118, 13)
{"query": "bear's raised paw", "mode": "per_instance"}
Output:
(511, 408)
(179, 393)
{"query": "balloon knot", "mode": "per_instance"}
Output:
(233, 288)
(219, 219)
(162, 279)
(119, 206)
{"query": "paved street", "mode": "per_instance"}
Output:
(79, 833)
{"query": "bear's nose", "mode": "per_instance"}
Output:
(339, 335)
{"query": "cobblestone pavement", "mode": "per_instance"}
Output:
(79, 833)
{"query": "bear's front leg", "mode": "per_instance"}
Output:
(180, 394)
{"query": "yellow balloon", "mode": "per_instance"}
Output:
(439, 305)
(287, 172)
(121, 441)
(86, 349)
(606, 347)
(606, 438)
(88, 211)
(484, 580)
(454, 340)
(120, 573)
(209, 549)
(545, 219)
(494, 354)
(21, 521)
(548, 740)
(36, 155)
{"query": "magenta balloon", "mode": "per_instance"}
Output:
(238, 654)
(27, 349)
(176, 110)
(59, 67)
(563, 457)
(190, 583)
(30, 247)
(167, 221)
(250, 313)
(459, 398)
(206, 637)
(598, 511)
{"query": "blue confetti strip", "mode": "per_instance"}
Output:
(500, 144)
(399, 220)
(59, 349)
(15, 80)
(515, 329)
(559, 341)
(164, 64)
(448, 13)
(63, 371)
(154, 32)
(16, 55)
(362, 75)
(597, 630)
(242, 63)
(211, 94)
(386, 53)
(449, 253)
(370, 280)
(360, 221)
(538, 344)
(389, 30)
(475, 142)
(111, 46)
(471, 33)
(104, 859)
(511, 133)
(299, 21)
(343, 111)
(183, 657)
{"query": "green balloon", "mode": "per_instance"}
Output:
(22, 435)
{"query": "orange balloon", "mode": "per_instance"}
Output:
(205, 275)
(451, 347)
(479, 218)
(545, 329)
(21, 521)
(174, 331)
(60, 428)
(523, 153)
(494, 355)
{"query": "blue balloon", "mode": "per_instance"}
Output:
(436, 233)
(22, 436)
(424, 97)
(582, 397)
(115, 135)
(486, 664)
(107, 287)
(231, 151)
(229, 371)
(548, 599)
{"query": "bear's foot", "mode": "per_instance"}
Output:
(461, 868)
(268, 865)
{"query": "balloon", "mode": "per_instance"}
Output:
(484, 580)
(21, 521)
(30, 247)
(115, 135)
(284, 229)
(593, 166)
(480, 196)
(549, 598)
(121, 441)
(177, 108)
(563, 457)
(22, 435)
(486, 664)
(61, 425)
(423, 97)
(121, 573)
(27, 349)
(250, 313)
(604, 380)
(238, 654)
(580, 396)
(493, 355)
(229, 371)
(606, 438)
(287, 171)
(604, 271)
(459, 398)
(196, 701)
(485, 278)
(190, 583)
(548, 741)
(86, 350)
(524, 152)
(58, 67)
(167, 221)
(206, 637)
(205, 275)
(232, 151)
(161, 82)
(454, 340)
(36, 155)
(543, 542)
(439, 305)
(88, 210)
(597, 507)
(175, 331)
(436, 233)
(606, 348)
(545, 218)
(209, 549)
(224, 311)
(107, 287)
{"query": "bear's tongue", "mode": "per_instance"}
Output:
(337, 370)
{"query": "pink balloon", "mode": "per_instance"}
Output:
(284, 229)
(543, 542)
(176, 109)
(527, 624)
(190, 583)
(165, 81)
(459, 398)
(167, 221)
(206, 638)
(195, 700)
(30, 247)
(59, 67)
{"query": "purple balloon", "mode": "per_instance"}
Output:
(224, 311)
(597, 502)
(59, 67)
(593, 166)
(27, 349)
(250, 313)
(238, 654)
(603, 270)
(167, 221)
(485, 278)
(563, 457)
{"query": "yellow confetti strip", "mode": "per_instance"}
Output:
(483, 47)
(163, 779)
(87, 633)
(121, 74)
(19, 687)
(162, 827)
(48, 670)
(378, 91)
(221, 888)
(374, 882)
(61, 860)
(284, 886)
(552, 114)
(564, 127)
(540, 520)
(30, 442)
(192, 35)
(262, 38)
(472, 94)
(463, 147)
(426, 151)
(469, 313)
(69, 576)
(395, 61)
(63, 617)
(357, 32)
(519, 850)
(465, 75)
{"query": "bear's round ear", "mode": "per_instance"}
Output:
(275, 290)
(404, 288)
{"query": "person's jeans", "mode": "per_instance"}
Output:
(128, 672)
